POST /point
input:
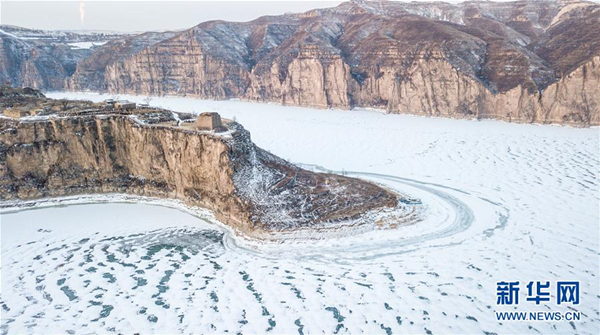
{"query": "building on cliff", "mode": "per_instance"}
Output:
(125, 105)
(209, 121)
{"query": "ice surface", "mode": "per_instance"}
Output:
(504, 202)
(85, 45)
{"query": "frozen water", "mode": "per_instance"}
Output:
(85, 45)
(504, 202)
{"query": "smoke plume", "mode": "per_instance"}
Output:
(81, 12)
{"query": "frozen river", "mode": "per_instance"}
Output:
(505, 202)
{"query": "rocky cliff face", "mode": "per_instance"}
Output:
(515, 61)
(42, 59)
(99, 155)
(22, 64)
(85, 149)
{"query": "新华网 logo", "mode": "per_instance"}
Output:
(566, 292)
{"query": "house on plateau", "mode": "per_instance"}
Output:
(125, 105)
(208, 121)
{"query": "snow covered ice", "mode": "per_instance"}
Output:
(85, 45)
(503, 202)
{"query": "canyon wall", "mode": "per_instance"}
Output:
(471, 60)
(176, 66)
(115, 155)
(22, 64)
(521, 61)
(431, 86)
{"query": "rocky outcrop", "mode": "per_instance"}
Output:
(42, 59)
(467, 60)
(26, 65)
(176, 66)
(575, 98)
(101, 155)
(312, 79)
(87, 149)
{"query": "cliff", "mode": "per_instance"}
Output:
(71, 148)
(22, 64)
(522, 61)
(43, 59)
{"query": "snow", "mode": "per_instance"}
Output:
(503, 202)
(14, 36)
(85, 45)
(9, 34)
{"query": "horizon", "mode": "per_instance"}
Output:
(131, 16)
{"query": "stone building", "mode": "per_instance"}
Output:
(208, 121)
(125, 105)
